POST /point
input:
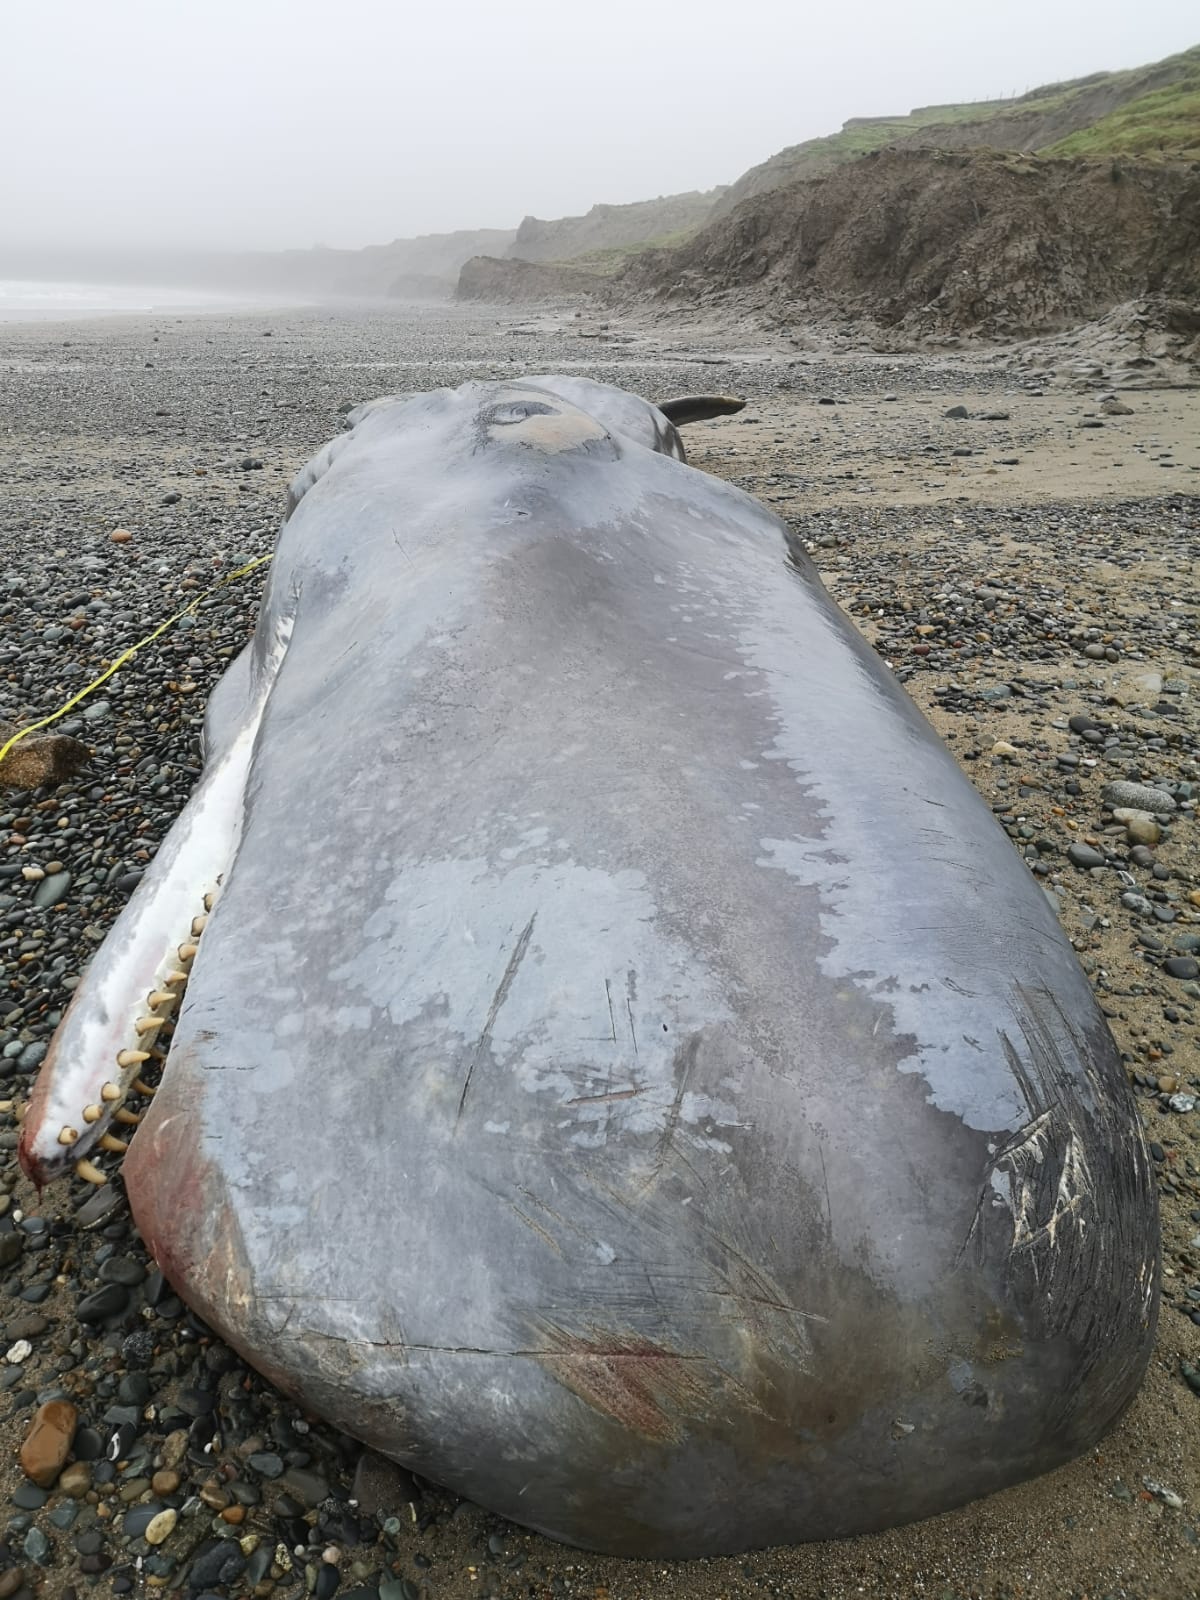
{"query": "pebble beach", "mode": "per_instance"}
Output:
(1016, 538)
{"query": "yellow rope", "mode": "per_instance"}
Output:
(129, 654)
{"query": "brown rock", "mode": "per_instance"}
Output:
(165, 1482)
(44, 1451)
(382, 1485)
(213, 1496)
(49, 758)
(120, 536)
(26, 1327)
(11, 1581)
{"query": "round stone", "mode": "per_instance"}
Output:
(161, 1526)
(1144, 831)
(1083, 855)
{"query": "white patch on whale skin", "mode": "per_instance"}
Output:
(903, 930)
(586, 998)
(894, 970)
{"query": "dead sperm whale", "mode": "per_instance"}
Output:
(626, 1074)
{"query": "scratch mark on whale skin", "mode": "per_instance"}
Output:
(498, 999)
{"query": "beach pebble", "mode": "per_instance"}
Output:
(1143, 830)
(46, 1445)
(1083, 855)
(76, 1479)
(1138, 797)
(161, 1526)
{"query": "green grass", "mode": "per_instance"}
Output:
(1166, 121)
(819, 155)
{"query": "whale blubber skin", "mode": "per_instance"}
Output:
(628, 1076)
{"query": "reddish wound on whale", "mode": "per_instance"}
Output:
(641, 1385)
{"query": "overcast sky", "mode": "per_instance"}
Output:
(273, 123)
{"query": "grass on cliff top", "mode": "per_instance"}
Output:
(817, 156)
(1166, 121)
(1165, 118)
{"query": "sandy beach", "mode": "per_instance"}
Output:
(1031, 561)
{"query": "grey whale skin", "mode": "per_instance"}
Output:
(627, 1075)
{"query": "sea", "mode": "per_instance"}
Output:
(28, 300)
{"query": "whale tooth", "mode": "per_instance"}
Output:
(132, 1058)
(198, 925)
(141, 1088)
(161, 997)
(186, 952)
(92, 1113)
(129, 1118)
(145, 1025)
(69, 1136)
(208, 902)
(88, 1170)
(106, 1141)
(111, 1091)
(175, 980)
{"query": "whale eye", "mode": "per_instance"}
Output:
(512, 411)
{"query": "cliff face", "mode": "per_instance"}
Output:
(936, 243)
(611, 227)
(517, 282)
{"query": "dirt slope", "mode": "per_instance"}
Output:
(517, 282)
(945, 243)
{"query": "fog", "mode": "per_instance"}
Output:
(239, 124)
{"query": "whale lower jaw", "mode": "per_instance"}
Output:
(118, 1026)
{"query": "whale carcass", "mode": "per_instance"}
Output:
(625, 1073)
